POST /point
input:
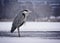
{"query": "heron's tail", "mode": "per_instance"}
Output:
(13, 29)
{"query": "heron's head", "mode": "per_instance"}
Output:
(26, 11)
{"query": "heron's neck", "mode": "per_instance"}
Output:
(23, 15)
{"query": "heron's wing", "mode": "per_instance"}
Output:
(18, 19)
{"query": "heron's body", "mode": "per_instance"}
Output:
(18, 21)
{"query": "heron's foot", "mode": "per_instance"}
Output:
(19, 36)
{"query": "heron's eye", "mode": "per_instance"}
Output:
(25, 12)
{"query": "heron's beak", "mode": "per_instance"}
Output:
(30, 11)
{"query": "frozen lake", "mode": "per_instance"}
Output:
(31, 32)
(27, 40)
(33, 26)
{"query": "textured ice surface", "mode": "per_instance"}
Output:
(35, 32)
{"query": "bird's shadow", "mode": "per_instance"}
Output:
(7, 34)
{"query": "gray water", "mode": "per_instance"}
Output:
(37, 34)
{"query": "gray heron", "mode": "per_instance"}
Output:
(19, 20)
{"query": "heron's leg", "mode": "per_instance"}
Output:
(18, 32)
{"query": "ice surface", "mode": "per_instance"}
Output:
(5, 27)
(27, 40)
(33, 26)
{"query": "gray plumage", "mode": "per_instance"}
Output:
(19, 21)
